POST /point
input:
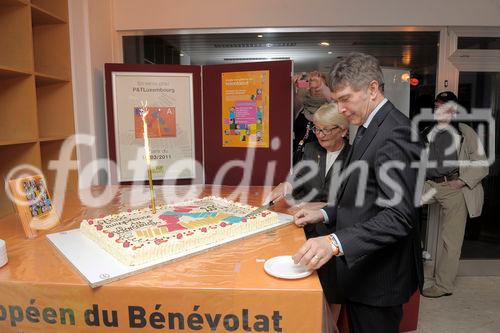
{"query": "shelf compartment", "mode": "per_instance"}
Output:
(13, 156)
(56, 8)
(53, 138)
(45, 79)
(16, 43)
(18, 142)
(13, 2)
(18, 115)
(40, 16)
(51, 50)
(55, 110)
(8, 72)
(50, 151)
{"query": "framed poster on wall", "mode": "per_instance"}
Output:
(170, 94)
(245, 109)
(248, 108)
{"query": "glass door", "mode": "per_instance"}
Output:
(475, 54)
(479, 92)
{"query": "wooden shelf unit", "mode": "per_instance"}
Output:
(35, 88)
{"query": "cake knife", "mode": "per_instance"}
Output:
(266, 206)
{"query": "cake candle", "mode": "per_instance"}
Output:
(144, 112)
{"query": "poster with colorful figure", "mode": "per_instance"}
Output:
(33, 204)
(245, 109)
(37, 196)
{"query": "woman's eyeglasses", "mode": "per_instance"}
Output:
(324, 131)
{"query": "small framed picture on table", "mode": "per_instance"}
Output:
(33, 204)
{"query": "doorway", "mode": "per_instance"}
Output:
(472, 70)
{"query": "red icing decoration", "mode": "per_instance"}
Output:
(98, 227)
(90, 222)
(243, 220)
(223, 224)
(126, 244)
(179, 236)
(171, 222)
(111, 234)
(129, 210)
(203, 229)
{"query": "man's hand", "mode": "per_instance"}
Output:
(456, 184)
(307, 216)
(314, 253)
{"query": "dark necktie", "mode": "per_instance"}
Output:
(359, 134)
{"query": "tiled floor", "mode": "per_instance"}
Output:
(473, 307)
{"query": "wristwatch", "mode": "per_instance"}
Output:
(334, 244)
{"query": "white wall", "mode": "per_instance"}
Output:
(91, 34)
(188, 14)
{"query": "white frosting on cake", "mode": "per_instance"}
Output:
(138, 236)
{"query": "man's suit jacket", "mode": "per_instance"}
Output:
(381, 265)
(321, 183)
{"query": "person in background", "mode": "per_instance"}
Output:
(311, 91)
(331, 148)
(460, 165)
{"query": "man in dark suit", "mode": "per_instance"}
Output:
(376, 242)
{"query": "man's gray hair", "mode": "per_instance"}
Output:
(357, 70)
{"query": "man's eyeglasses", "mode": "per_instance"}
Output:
(324, 131)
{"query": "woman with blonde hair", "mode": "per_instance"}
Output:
(326, 154)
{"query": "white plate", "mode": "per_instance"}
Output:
(283, 267)
(3, 261)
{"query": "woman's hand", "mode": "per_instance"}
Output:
(279, 191)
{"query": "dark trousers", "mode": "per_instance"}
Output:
(373, 319)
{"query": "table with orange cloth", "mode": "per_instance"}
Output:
(224, 289)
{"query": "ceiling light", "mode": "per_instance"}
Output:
(324, 44)
(260, 36)
(181, 54)
(330, 52)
